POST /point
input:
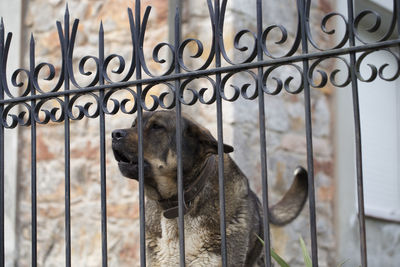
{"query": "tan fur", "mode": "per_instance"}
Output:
(167, 252)
(243, 210)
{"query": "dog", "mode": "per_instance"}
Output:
(199, 157)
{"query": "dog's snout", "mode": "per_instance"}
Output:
(118, 134)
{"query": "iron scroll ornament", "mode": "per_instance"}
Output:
(28, 97)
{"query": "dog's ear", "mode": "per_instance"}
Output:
(204, 137)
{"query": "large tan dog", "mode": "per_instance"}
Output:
(201, 195)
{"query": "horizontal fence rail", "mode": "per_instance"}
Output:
(24, 98)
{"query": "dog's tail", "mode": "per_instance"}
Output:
(289, 207)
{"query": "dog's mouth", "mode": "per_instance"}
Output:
(123, 159)
(128, 162)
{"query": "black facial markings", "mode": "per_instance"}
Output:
(164, 155)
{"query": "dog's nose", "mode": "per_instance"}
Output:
(118, 134)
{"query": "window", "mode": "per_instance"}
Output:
(380, 131)
(380, 128)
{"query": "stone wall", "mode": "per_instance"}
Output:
(285, 136)
(122, 194)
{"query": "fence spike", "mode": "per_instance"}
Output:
(66, 9)
(1, 30)
(66, 21)
(101, 27)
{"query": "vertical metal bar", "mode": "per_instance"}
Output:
(310, 161)
(263, 143)
(33, 157)
(172, 4)
(67, 148)
(356, 111)
(140, 138)
(2, 246)
(102, 153)
(221, 181)
(181, 221)
(397, 14)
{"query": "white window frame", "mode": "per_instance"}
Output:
(380, 211)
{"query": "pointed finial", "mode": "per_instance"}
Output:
(32, 39)
(32, 45)
(1, 30)
(66, 11)
(32, 54)
(101, 35)
(101, 26)
(177, 13)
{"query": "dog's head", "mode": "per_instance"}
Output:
(159, 151)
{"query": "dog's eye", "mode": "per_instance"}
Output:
(156, 126)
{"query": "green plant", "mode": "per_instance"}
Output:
(275, 256)
(306, 256)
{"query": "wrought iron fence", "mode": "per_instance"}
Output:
(218, 68)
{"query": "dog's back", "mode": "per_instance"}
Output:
(244, 224)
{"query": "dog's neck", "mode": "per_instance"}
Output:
(171, 205)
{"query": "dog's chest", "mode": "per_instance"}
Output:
(196, 238)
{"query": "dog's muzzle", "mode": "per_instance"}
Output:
(124, 154)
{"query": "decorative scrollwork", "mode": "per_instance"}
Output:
(331, 32)
(159, 60)
(121, 60)
(378, 71)
(14, 80)
(160, 100)
(51, 69)
(117, 105)
(119, 70)
(19, 85)
(54, 114)
(82, 62)
(197, 54)
(237, 40)
(198, 95)
(199, 46)
(376, 25)
(284, 37)
(244, 90)
(22, 118)
(236, 44)
(85, 109)
(333, 76)
(186, 66)
(51, 75)
(279, 83)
